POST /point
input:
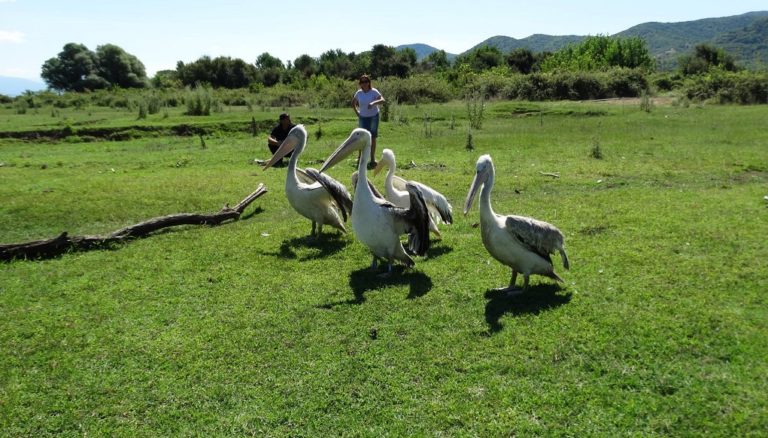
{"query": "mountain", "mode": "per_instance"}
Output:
(423, 50)
(667, 41)
(535, 43)
(744, 36)
(15, 86)
(748, 43)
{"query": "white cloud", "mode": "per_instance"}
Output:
(11, 36)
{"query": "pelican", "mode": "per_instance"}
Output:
(317, 197)
(377, 223)
(522, 243)
(439, 208)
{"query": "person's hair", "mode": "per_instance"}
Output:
(365, 78)
(284, 116)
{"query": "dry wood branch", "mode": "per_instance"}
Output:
(63, 243)
(553, 175)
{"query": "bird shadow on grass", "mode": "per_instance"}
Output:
(537, 299)
(437, 249)
(318, 247)
(255, 211)
(364, 280)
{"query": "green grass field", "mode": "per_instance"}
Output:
(250, 328)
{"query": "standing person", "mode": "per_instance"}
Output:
(278, 134)
(366, 103)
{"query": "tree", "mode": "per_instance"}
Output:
(481, 58)
(521, 59)
(336, 63)
(435, 61)
(71, 70)
(306, 66)
(601, 53)
(704, 58)
(77, 68)
(269, 69)
(119, 68)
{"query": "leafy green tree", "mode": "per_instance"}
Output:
(601, 53)
(72, 70)
(306, 66)
(166, 79)
(481, 58)
(119, 68)
(704, 58)
(521, 60)
(269, 69)
(336, 63)
(436, 61)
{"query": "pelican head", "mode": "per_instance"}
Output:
(387, 159)
(357, 141)
(484, 170)
(296, 137)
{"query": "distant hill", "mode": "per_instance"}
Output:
(423, 50)
(744, 36)
(15, 86)
(667, 41)
(535, 43)
(749, 44)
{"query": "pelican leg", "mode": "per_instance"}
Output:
(374, 264)
(312, 233)
(319, 230)
(512, 290)
(389, 270)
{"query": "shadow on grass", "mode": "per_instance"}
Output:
(255, 211)
(538, 299)
(323, 246)
(365, 279)
(437, 249)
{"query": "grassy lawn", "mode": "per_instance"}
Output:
(661, 327)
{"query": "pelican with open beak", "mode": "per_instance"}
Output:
(378, 223)
(522, 243)
(317, 197)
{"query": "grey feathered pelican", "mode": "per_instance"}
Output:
(522, 243)
(316, 196)
(378, 223)
(440, 210)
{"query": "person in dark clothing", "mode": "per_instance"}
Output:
(278, 134)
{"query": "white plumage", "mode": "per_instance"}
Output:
(440, 210)
(522, 243)
(317, 197)
(377, 223)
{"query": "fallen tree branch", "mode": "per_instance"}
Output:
(553, 175)
(63, 243)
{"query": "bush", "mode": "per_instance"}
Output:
(728, 87)
(421, 88)
(200, 101)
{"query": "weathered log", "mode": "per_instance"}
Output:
(62, 243)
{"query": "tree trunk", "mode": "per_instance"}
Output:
(63, 243)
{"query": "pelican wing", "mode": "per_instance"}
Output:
(337, 190)
(541, 237)
(304, 177)
(414, 220)
(438, 205)
(399, 183)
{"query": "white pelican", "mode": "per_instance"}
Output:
(440, 209)
(317, 197)
(522, 243)
(378, 223)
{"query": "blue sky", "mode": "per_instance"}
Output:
(160, 33)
